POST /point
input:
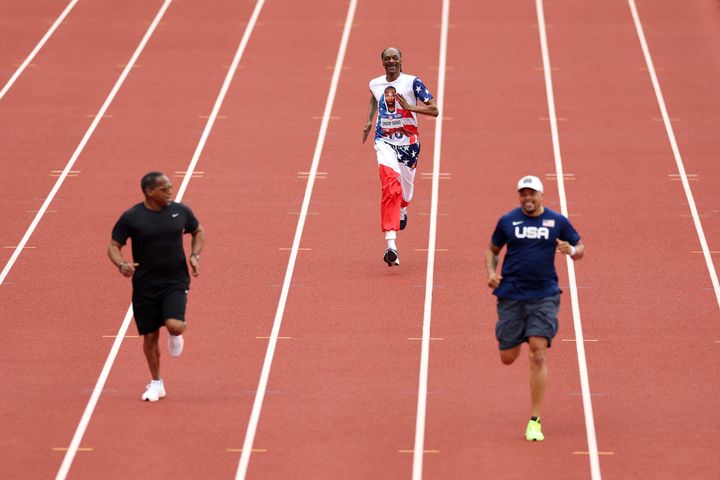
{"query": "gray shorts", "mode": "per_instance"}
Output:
(520, 319)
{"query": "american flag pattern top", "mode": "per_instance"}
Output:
(395, 125)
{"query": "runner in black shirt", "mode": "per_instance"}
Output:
(159, 271)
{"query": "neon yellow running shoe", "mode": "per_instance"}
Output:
(533, 432)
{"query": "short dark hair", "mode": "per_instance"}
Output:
(382, 54)
(149, 180)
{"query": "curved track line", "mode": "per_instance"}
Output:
(102, 379)
(676, 151)
(37, 48)
(577, 323)
(81, 146)
(427, 313)
(272, 342)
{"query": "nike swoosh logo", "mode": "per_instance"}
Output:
(518, 223)
(175, 215)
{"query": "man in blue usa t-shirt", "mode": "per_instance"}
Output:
(528, 296)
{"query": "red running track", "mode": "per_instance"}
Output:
(343, 390)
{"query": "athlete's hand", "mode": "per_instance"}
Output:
(366, 130)
(563, 247)
(401, 100)
(194, 264)
(494, 280)
(127, 269)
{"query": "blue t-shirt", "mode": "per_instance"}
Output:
(528, 269)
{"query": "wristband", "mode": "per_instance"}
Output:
(196, 255)
(573, 250)
(122, 264)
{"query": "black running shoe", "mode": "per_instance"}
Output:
(403, 220)
(391, 257)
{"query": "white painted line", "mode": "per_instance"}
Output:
(68, 168)
(676, 152)
(577, 323)
(87, 414)
(419, 446)
(272, 342)
(37, 48)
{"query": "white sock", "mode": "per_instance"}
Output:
(157, 382)
(390, 236)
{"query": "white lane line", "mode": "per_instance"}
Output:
(102, 379)
(676, 152)
(577, 323)
(272, 342)
(68, 167)
(419, 447)
(95, 396)
(37, 48)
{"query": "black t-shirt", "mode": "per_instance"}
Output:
(157, 244)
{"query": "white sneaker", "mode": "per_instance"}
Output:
(155, 391)
(175, 345)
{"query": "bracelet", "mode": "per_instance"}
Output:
(122, 264)
(196, 255)
(573, 250)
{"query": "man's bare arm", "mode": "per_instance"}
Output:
(429, 107)
(491, 263)
(372, 109)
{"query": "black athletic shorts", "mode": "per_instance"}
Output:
(154, 303)
(520, 319)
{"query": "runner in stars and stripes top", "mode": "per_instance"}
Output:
(397, 98)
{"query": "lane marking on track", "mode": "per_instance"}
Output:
(254, 450)
(277, 322)
(424, 451)
(219, 117)
(15, 246)
(425, 249)
(575, 340)
(127, 65)
(57, 173)
(304, 249)
(421, 412)
(577, 323)
(320, 118)
(27, 62)
(95, 396)
(279, 338)
(431, 338)
(68, 167)
(35, 211)
(125, 336)
(588, 453)
(298, 213)
(700, 251)
(676, 151)
(92, 115)
(65, 449)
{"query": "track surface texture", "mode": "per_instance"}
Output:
(301, 344)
